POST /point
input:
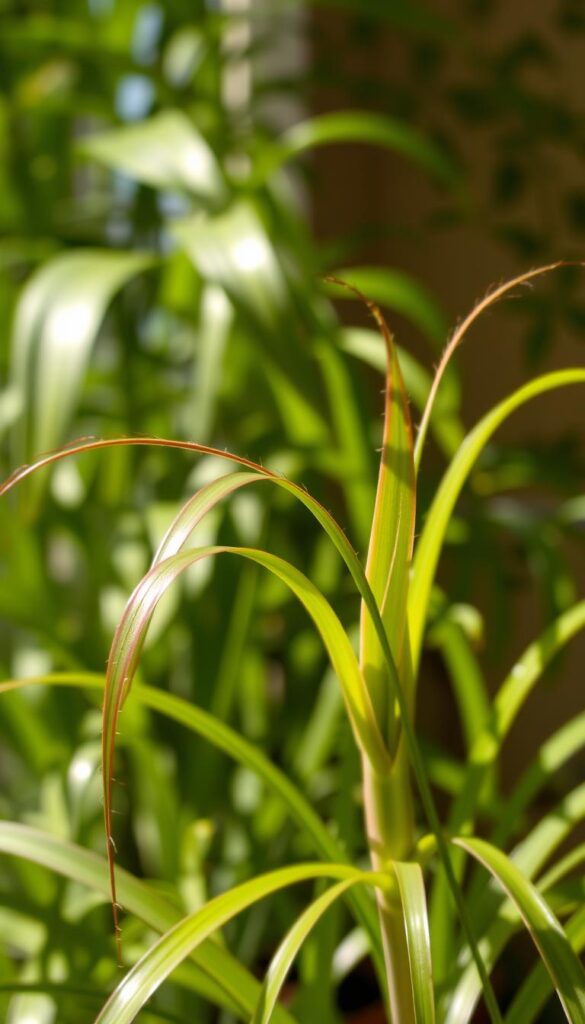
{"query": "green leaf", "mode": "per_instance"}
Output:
(536, 988)
(234, 251)
(129, 636)
(345, 549)
(169, 952)
(54, 329)
(495, 917)
(358, 126)
(559, 958)
(288, 949)
(412, 894)
(217, 975)
(433, 534)
(245, 753)
(487, 746)
(165, 151)
(391, 542)
(445, 423)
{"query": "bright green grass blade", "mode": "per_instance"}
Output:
(495, 917)
(559, 958)
(170, 951)
(350, 558)
(165, 151)
(536, 988)
(399, 292)
(129, 636)
(218, 976)
(196, 508)
(458, 337)
(233, 250)
(236, 747)
(412, 894)
(54, 329)
(357, 126)
(433, 535)
(287, 951)
(484, 754)
(445, 424)
(391, 542)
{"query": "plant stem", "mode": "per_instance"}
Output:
(390, 830)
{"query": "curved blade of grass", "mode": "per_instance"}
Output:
(431, 541)
(559, 958)
(236, 747)
(217, 975)
(127, 642)
(412, 894)
(288, 949)
(165, 151)
(494, 915)
(459, 336)
(357, 126)
(170, 951)
(54, 329)
(350, 558)
(391, 535)
(487, 746)
(445, 423)
(536, 988)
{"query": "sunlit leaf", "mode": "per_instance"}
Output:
(56, 324)
(218, 975)
(166, 151)
(164, 957)
(432, 538)
(559, 958)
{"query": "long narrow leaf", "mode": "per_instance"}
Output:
(345, 549)
(129, 636)
(239, 749)
(496, 917)
(288, 949)
(391, 537)
(54, 330)
(537, 987)
(412, 894)
(170, 951)
(219, 977)
(433, 535)
(559, 958)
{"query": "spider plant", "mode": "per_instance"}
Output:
(432, 964)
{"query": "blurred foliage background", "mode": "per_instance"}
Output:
(176, 181)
